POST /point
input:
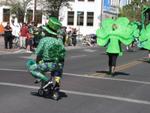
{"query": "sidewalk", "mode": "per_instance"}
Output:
(3, 50)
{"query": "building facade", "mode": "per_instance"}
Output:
(124, 2)
(6, 16)
(84, 15)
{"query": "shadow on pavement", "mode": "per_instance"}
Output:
(145, 60)
(115, 74)
(121, 73)
(61, 95)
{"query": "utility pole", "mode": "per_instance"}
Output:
(101, 17)
(34, 10)
(78, 16)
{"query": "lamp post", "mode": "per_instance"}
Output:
(78, 22)
(34, 10)
(101, 17)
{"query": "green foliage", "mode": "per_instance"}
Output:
(55, 5)
(52, 7)
(18, 7)
(133, 10)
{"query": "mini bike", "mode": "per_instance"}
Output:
(49, 89)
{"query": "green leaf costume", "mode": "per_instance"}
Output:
(112, 32)
(136, 31)
(145, 38)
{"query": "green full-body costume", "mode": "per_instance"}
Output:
(50, 54)
(135, 25)
(114, 32)
(123, 33)
(145, 40)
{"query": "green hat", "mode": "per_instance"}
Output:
(53, 25)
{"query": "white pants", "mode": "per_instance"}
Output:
(22, 40)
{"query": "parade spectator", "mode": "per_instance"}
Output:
(29, 43)
(63, 29)
(15, 33)
(68, 38)
(8, 36)
(1, 29)
(23, 35)
(74, 37)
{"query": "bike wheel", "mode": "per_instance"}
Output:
(41, 92)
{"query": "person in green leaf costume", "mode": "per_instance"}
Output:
(50, 54)
(145, 40)
(111, 34)
(136, 32)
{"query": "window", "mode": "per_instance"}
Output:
(80, 18)
(38, 16)
(6, 15)
(70, 17)
(29, 15)
(20, 18)
(90, 18)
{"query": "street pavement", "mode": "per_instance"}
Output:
(85, 86)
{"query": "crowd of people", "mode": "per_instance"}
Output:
(69, 37)
(27, 36)
(21, 36)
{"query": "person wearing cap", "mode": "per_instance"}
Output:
(8, 36)
(1, 29)
(50, 54)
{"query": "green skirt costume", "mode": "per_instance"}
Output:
(145, 38)
(114, 32)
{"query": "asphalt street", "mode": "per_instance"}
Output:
(85, 86)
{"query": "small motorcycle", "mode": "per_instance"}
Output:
(49, 89)
(46, 89)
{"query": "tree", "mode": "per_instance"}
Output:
(133, 10)
(54, 6)
(18, 7)
(51, 7)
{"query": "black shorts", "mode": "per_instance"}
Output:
(28, 42)
(112, 58)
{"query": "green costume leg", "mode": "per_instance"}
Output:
(37, 69)
(37, 73)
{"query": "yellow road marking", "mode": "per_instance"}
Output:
(119, 68)
(128, 65)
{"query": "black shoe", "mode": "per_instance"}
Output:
(37, 81)
(55, 95)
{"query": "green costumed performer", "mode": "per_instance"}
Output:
(145, 40)
(50, 54)
(111, 34)
(136, 32)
